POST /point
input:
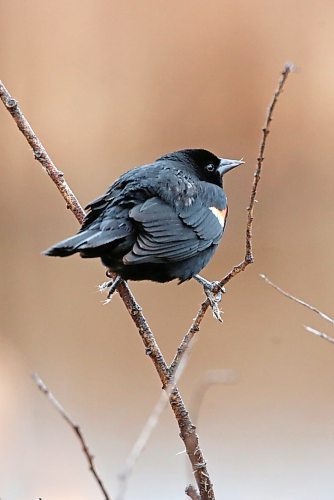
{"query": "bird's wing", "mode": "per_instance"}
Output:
(96, 207)
(208, 222)
(165, 235)
(128, 190)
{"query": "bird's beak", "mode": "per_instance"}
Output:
(226, 165)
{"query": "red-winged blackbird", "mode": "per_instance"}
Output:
(159, 221)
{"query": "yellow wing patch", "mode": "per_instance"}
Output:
(220, 214)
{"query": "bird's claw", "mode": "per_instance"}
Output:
(112, 285)
(214, 299)
(104, 286)
(214, 292)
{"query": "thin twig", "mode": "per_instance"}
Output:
(76, 429)
(40, 153)
(249, 258)
(189, 336)
(299, 301)
(148, 428)
(319, 334)
(187, 430)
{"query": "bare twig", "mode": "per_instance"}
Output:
(308, 306)
(189, 336)
(40, 153)
(187, 430)
(149, 427)
(299, 301)
(319, 334)
(76, 429)
(249, 258)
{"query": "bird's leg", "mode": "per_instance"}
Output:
(213, 290)
(112, 285)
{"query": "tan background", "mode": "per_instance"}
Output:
(107, 86)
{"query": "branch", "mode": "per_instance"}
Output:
(249, 258)
(308, 306)
(76, 429)
(299, 301)
(181, 350)
(319, 334)
(187, 430)
(149, 427)
(40, 153)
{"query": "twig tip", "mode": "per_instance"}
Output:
(290, 67)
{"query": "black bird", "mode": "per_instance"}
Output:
(158, 222)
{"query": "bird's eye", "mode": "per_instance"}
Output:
(210, 167)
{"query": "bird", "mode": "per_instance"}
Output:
(160, 221)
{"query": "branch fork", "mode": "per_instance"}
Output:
(166, 373)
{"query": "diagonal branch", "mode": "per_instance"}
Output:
(249, 258)
(187, 430)
(76, 429)
(149, 427)
(319, 334)
(299, 301)
(40, 153)
(309, 329)
(195, 327)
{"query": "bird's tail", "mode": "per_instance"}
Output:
(89, 242)
(67, 247)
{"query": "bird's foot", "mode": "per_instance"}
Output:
(213, 290)
(111, 286)
(214, 299)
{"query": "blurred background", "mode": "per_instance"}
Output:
(110, 85)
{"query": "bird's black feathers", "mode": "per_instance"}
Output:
(163, 235)
(159, 222)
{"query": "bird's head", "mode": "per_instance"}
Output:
(206, 166)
